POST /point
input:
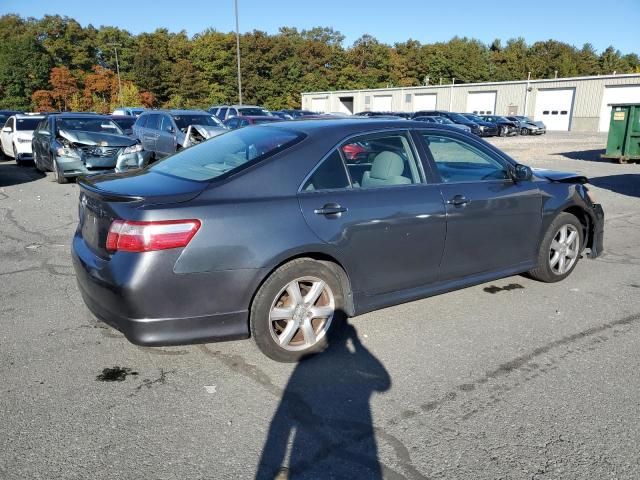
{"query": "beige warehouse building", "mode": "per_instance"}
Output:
(578, 104)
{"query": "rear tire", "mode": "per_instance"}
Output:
(296, 310)
(36, 162)
(559, 250)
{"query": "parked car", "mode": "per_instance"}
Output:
(528, 126)
(487, 129)
(281, 114)
(454, 117)
(299, 113)
(125, 122)
(271, 232)
(239, 122)
(17, 134)
(443, 121)
(506, 127)
(128, 111)
(164, 132)
(73, 144)
(227, 111)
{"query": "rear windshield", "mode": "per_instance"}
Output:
(101, 125)
(183, 121)
(456, 117)
(27, 123)
(227, 153)
(248, 111)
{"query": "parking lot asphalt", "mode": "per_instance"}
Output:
(509, 379)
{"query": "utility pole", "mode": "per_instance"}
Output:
(451, 94)
(526, 94)
(238, 55)
(115, 48)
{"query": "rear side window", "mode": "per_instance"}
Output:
(330, 175)
(227, 153)
(381, 160)
(222, 113)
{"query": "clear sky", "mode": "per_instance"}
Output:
(599, 22)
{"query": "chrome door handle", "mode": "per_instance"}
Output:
(330, 209)
(458, 201)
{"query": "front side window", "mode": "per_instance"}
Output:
(227, 153)
(381, 160)
(167, 124)
(458, 161)
(153, 121)
(330, 175)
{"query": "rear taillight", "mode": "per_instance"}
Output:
(130, 236)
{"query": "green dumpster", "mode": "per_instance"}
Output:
(623, 143)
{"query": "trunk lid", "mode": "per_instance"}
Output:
(104, 198)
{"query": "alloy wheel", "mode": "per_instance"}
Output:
(564, 249)
(301, 313)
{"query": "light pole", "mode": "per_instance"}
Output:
(115, 48)
(238, 55)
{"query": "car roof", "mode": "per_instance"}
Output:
(350, 125)
(29, 115)
(177, 112)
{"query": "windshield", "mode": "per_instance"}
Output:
(183, 121)
(474, 118)
(251, 111)
(456, 117)
(227, 153)
(126, 122)
(28, 123)
(99, 125)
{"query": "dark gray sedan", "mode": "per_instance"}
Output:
(279, 231)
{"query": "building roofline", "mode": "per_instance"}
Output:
(480, 84)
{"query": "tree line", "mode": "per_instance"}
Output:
(53, 63)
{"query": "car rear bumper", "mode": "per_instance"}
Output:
(151, 305)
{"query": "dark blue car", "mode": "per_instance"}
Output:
(279, 231)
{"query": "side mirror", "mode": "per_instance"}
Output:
(7, 129)
(171, 129)
(522, 173)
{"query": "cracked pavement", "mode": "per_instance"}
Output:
(511, 379)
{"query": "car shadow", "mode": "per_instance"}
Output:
(12, 174)
(585, 155)
(624, 184)
(323, 426)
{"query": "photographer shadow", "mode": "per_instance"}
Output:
(323, 426)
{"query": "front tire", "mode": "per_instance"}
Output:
(524, 131)
(296, 310)
(559, 250)
(58, 174)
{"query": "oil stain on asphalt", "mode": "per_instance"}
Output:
(115, 374)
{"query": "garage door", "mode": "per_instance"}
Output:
(424, 101)
(320, 104)
(553, 107)
(483, 103)
(382, 103)
(626, 94)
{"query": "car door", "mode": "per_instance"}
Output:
(150, 132)
(5, 136)
(42, 141)
(386, 223)
(493, 222)
(166, 139)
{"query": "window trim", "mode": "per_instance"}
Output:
(472, 142)
(416, 152)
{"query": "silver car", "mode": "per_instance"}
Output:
(164, 132)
